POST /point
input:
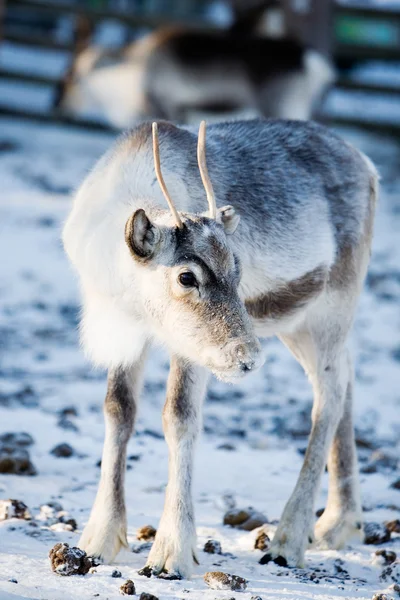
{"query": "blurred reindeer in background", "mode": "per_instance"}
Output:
(175, 72)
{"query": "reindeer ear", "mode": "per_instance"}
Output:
(228, 217)
(141, 235)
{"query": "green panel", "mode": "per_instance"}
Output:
(364, 31)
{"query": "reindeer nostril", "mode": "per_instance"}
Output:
(245, 367)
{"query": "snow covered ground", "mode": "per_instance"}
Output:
(254, 433)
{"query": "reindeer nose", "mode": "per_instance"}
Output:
(246, 366)
(248, 356)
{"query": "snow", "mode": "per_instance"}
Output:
(265, 418)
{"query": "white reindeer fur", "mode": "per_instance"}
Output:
(115, 328)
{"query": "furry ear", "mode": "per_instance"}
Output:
(228, 217)
(141, 235)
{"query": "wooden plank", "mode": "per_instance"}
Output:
(39, 41)
(367, 86)
(2, 13)
(372, 11)
(357, 52)
(366, 33)
(99, 14)
(392, 129)
(55, 119)
(343, 83)
(28, 77)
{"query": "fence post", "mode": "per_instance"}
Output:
(310, 21)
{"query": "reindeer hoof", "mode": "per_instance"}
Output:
(170, 576)
(278, 560)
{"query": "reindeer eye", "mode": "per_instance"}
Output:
(187, 279)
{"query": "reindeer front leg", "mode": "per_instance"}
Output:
(174, 549)
(105, 532)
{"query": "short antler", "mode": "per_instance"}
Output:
(156, 154)
(201, 158)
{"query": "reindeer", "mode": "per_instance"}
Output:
(286, 256)
(172, 73)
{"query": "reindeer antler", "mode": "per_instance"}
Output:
(201, 159)
(157, 166)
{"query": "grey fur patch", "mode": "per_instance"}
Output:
(180, 390)
(349, 267)
(289, 298)
(287, 164)
(120, 403)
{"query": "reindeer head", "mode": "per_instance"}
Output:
(189, 280)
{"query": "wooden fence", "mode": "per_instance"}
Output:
(347, 34)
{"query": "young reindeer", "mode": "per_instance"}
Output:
(294, 268)
(172, 73)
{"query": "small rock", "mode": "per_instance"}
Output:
(391, 573)
(146, 533)
(380, 460)
(20, 438)
(393, 526)
(8, 146)
(362, 441)
(256, 598)
(25, 396)
(146, 596)
(262, 541)
(128, 588)
(48, 513)
(225, 502)
(380, 597)
(134, 457)
(154, 434)
(50, 509)
(387, 556)
(13, 509)
(144, 547)
(16, 461)
(68, 525)
(69, 411)
(396, 484)
(339, 570)
(67, 424)
(395, 587)
(63, 451)
(116, 574)
(375, 533)
(227, 446)
(212, 547)
(53, 516)
(246, 519)
(217, 580)
(69, 561)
